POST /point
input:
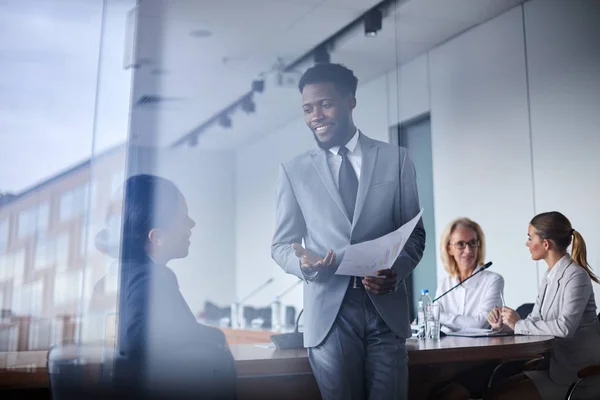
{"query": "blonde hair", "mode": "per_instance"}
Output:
(556, 227)
(449, 261)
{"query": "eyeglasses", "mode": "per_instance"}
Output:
(461, 244)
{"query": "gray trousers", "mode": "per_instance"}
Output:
(361, 358)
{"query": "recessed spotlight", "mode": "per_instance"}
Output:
(201, 33)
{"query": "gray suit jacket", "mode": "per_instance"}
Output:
(568, 312)
(310, 208)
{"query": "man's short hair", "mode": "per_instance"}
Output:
(342, 78)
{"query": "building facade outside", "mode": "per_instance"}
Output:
(49, 264)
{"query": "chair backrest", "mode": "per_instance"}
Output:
(524, 310)
(75, 370)
(9, 336)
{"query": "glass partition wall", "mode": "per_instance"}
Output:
(208, 98)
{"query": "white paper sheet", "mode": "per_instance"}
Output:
(366, 258)
(475, 332)
(265, 345)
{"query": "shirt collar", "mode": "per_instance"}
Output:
(353, 145)
(563, 262)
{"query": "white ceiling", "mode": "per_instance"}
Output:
(248, 37)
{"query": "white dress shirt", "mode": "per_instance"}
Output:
(550, 274)
(549, 277)
(334, 160)
(467, 306)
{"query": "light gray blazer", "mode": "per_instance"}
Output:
(310, 208)
(568, 312)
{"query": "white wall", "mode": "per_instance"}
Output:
(371, 114)
(256, 168)
(480, 140)
(408, 95)
(564, 83)
(205, 178)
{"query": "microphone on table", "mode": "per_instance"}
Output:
(258, 289)
(237, 311)
(286, 291)
(276, 323)
(292, 340)
(485, 266)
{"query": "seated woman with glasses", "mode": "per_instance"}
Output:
(565, 308)
(463, 254)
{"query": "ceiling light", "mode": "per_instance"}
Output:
(373, 22)
(248, 104)
(258, 85)
(225, 121)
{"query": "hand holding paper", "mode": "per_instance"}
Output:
(385, 283)
(366, 258)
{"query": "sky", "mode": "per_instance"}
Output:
(53, 83)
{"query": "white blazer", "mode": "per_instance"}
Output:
(565, 308)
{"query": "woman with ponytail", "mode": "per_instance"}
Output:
(565, 308)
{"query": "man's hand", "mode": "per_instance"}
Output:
(384, 283)
(494, 317)
(509, 317)
(312, 262)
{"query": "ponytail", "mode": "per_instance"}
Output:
(556, 227)
(579, 255)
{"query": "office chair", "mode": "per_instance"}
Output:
(583, 374)
(75, 371)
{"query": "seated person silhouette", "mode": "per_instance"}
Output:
(162, 350)
(108, 242)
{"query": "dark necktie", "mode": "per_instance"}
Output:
(348, 182)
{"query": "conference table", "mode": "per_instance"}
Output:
(268, 373)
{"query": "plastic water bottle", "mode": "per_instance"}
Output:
(276, 323)
(424, 301)
(237, 315)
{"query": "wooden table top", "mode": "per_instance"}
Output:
(28, 369)
(254, 360)
(459, 349)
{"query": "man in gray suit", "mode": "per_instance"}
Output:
(350, 190)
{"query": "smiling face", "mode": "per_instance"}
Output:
(464, 247)
(328, 114)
